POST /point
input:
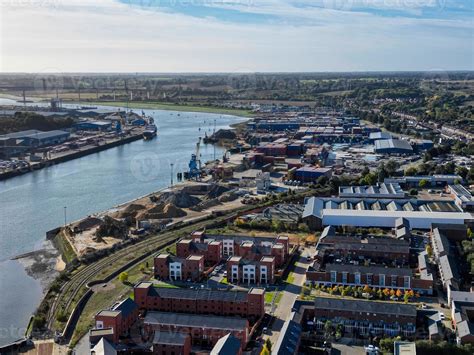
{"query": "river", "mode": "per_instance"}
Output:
(34, 203)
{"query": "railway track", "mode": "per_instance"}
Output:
(76, 286)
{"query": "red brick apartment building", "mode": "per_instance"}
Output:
(220, 247)
(119, 318)
(168, 267)
(250, 305)
(364, 317)
(171, 343)
(211, 251)
(373, 247)
(240, 270)
(376, 261)
(204, 330)
(373, 276)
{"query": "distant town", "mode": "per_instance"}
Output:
(338, 217)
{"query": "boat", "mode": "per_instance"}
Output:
(150, 132)
(88, 108)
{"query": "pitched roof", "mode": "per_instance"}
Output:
(196, 320)
(169, 338)
(227, 345)
(103, 347)
(127, 306)
(369, 269)
(365, 306)
(210, 295)
(287, 342)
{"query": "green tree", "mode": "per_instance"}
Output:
(123, 277)
(429, 250)
(386, 344)
(268, 344)
(322, 180)
(391, 167)
(470, 233)
(265, 351)
(423, 183)
(411, 171)
(327, 329)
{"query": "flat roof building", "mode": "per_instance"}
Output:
(34, 138)
(393, 146)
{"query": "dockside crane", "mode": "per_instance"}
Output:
(195, 163)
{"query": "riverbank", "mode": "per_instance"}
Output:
(86, 186)
(174, 107)
(74, 154)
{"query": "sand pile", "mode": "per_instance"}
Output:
(87, 223)
(130, 211)
(162, 211)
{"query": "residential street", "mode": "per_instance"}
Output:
(291, 291)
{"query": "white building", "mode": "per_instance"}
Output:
(318, 212)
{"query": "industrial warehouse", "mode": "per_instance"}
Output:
(382, 213)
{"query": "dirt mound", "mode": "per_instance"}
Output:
(228, 196)
(130, 211)
(156, 209)
(162, 211)
(206, 204)
(216, 191)
(224, 134)
(88, 223)
(172, 211)
(177, 198)
(134, 207)
(112, 228)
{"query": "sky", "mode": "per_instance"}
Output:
(236, 35)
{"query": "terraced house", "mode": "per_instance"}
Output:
(119, 318)
(221, 247)
(240, 270)
(365, 317)
(249, 304)
(168, 267)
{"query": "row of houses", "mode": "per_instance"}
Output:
(175, 319)
(376, 261)
(217, 248)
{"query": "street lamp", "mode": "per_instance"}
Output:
(65, 219)
(171, 165)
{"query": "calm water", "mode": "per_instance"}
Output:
(34, 203)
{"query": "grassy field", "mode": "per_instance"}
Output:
(174, 107)
(105, 298)
(291, 278)
(269, 296)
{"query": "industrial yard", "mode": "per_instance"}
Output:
(300, 209)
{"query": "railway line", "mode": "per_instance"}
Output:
(76, 286)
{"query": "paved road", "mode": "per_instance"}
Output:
(290, 293)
